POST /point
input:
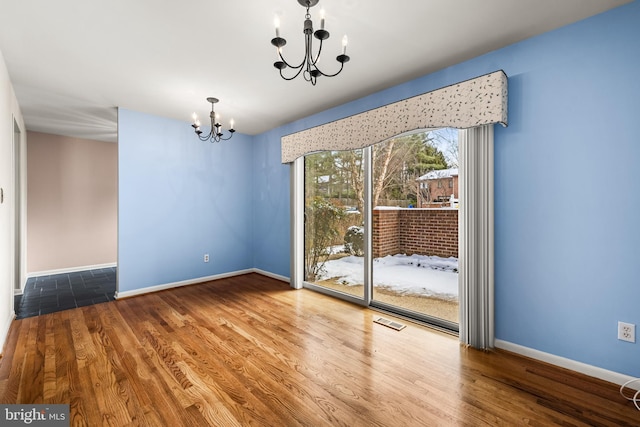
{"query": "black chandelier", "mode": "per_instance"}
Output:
(215, 133)
(308, 67)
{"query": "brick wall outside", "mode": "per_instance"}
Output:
(386, 239)
(415, 231)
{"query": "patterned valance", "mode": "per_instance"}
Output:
(468, 104)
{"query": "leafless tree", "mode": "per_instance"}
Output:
(446, 139)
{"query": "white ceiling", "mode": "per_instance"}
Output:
(72, 62)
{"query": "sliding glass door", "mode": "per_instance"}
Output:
(415, 226)
(333, 222)
(381, 225)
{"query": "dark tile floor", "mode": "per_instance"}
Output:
(48, 294)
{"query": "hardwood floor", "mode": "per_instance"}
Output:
(248, 350)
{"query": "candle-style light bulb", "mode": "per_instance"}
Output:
(231, 123)
(195, 117)
(345, 41)
(322, 14)
(197, 123)
(276, 22)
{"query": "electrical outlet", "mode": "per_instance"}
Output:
(206, 257)
(626, 332)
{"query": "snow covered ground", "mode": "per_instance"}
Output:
(407, 274)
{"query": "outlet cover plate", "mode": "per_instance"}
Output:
(626, 332)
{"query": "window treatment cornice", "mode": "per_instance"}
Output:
(475, 102)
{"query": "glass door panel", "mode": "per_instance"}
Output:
(333, 221)
(415, 225)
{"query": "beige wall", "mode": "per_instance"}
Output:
(71, 202)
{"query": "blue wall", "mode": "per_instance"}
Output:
(180, 198)
(567, 226)
(271, 198)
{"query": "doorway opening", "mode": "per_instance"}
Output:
(18, 211)
(71, 226)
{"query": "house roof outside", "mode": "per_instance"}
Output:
(439, 174)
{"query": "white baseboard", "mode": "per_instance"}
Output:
(198, 280)
(272, 275)
(71, 269)
(583, 368)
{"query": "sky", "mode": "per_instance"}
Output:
(408, 274)
(446, 140)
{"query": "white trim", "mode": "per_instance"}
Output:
(4, 332)
(198, 280)
(71, 269)
(272, 275)
(563, 362)
(367, 208)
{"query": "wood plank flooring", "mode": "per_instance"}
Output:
(248, 350)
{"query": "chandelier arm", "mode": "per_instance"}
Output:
(317, 58)
(294, 76)
(311, 71)
(299, 67)
(289, 65)
(210, 136)
(335, 74)
(221, 138)
(322, 72)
